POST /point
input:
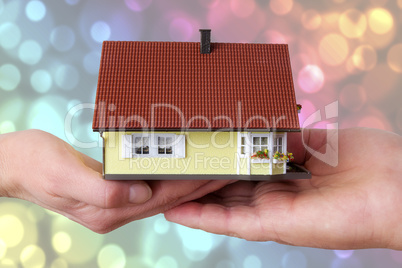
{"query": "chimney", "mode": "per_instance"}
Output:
(205, 44)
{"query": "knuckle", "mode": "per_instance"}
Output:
(112, 196)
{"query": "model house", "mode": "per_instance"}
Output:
(195, 110)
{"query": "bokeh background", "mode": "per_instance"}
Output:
(345, 51)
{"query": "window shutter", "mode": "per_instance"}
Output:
(127, 146)
(180, 146)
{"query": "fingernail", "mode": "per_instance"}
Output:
(139, 193)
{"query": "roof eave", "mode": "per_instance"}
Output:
(196, 130)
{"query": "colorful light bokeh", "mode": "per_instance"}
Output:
(348, 52)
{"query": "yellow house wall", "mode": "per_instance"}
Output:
(278, 168)
(206, 153)
(259, 169)
(243, 166)
(202, 156)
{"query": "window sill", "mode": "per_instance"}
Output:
(276, 161)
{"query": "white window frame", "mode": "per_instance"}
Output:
(275, 144)
(141, 136)
(283, 136)
(128, 145)
(172, 145)
(260, 136)
(243, 137)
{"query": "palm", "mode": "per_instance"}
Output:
(337, 208)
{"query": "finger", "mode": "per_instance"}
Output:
(239, 188)
(175, 192)
(239, 221)
(88, 186)
(233, 194)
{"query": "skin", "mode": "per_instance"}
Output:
(355, 204)
(39, 167)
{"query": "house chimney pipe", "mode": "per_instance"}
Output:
(205, 43)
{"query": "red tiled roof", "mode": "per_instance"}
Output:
(170, 85)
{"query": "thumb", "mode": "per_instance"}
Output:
(87, 185)
(96, 191)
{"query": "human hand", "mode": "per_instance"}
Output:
(39, 167)
(356, 204)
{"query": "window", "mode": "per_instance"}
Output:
(247, 143)
(278, 144)
(165, 146)
(260, 143)
(242, 145)
(153, 145)
(141, 145)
